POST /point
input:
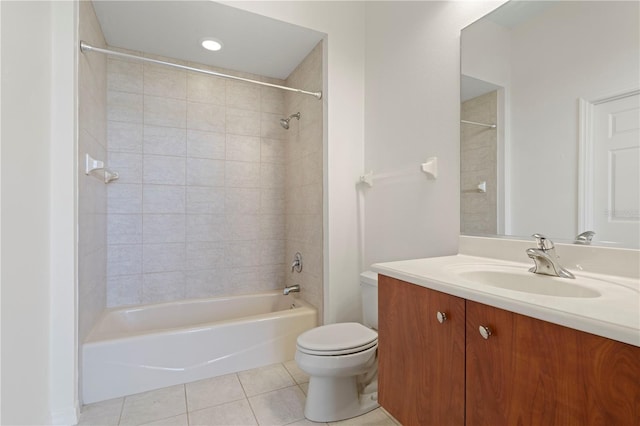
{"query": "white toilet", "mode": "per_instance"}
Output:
(341, 362)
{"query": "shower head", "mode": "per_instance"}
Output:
(284, 122)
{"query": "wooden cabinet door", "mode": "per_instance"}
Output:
(531, 372)
(420, 360)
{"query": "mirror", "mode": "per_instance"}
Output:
(550, 119)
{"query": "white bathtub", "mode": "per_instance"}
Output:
(136, 349)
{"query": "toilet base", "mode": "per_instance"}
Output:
(331, 399)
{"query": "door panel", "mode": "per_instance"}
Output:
(617, 170)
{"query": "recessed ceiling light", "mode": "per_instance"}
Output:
(212, 44)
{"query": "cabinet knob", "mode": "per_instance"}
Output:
(485, 332)
(442, 317)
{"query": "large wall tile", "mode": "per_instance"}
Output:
(241, 174)
(164, 228)
(164, 170)
(243, 96)
(163, 81)
(206, 283)
(124, 137)
(163, 287)
(205, 172)
(125, 107)
(242, 227)
(243, 122)
(205, 200)
(167, 112)
(124, 198)
(163, 257)
(206, 144)
(243, 148)
(206, 228)
(272, 100)
(201, 194)
(165, 141)
(205, 89)
(124, 290)
(205, 255)
(159, 199)
(273, 150)
(124, 76)
(242, 201)
(206, 117)
(128, 166)
(124, 229)
(124, 259)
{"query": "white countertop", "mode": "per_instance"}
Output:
(615, 314)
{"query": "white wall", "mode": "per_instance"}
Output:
(38, 224)
(63, 221)
(343, 22)
(412, 113)
(26, 91)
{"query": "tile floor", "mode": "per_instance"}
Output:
(271, 395)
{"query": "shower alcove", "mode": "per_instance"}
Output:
(214, 196)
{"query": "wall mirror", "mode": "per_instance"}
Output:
(550, 119)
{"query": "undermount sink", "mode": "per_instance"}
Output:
(514, 279)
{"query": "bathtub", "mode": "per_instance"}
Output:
(140, 348)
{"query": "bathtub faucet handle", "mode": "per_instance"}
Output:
(297, 263)
(291, 288)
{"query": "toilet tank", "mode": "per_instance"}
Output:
(369, 286)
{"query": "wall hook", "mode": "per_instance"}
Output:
(430, 167)
(96, 168)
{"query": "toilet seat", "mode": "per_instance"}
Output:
(337, 339)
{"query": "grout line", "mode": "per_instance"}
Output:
(247, 398)
(121, 410)
(252, 411)
(241, 385)
(289, 372)
(186, 402)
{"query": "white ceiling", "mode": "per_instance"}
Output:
(252, 43)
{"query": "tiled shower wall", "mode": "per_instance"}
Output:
(478, 163)
(198, 210)
(92, 192)
(304, 211)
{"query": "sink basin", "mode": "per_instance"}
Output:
(514, 279)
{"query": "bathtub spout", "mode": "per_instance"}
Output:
(291, 288)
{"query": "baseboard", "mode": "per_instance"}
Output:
(68, 416)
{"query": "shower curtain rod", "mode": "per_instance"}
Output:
(86, 47)
(492, 126)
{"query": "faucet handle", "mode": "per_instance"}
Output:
(542, 242)
(584, 238)
(297, 263)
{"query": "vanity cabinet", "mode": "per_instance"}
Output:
(520, 371)
(421, 360)
(532, 372)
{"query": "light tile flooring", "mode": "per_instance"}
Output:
(271, 395)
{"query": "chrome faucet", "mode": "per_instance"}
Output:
(584, 238)
(545, 258)
(292, 288)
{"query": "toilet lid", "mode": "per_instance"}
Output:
(341, 337)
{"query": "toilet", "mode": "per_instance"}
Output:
(341, 361)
